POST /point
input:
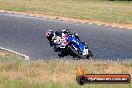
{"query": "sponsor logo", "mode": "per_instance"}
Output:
(83, 78)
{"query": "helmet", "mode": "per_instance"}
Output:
(66, 31)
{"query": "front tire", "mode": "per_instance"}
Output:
(74, 52)
(90, 55)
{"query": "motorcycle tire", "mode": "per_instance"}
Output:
(75, 52)
(90, 55)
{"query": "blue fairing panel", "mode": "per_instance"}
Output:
(77, 42)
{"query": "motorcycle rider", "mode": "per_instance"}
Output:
(59, 35)
(55, 37)
(59, 40)
(67, 32)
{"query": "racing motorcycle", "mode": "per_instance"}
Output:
(70, 45)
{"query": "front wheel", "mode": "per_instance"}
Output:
(90, 55)
(74, 52)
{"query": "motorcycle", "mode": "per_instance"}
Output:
(70, 45)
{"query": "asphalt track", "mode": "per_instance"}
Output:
(24, 34)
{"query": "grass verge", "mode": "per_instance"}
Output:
(18, 73)
(94, 10)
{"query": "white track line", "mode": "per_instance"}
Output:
(25, 56)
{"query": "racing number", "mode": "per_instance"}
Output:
(64, 40)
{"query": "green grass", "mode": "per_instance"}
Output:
(15, 72)
(100, 10)
(9, 56)
(21, 83)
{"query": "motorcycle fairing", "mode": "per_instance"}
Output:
(79, 44)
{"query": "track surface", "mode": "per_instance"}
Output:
(24, 34)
